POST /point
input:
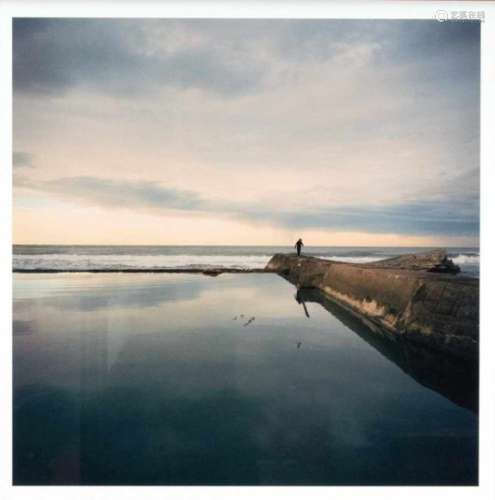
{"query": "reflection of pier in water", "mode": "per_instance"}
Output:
(453, 378)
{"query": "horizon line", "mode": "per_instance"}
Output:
(233, 245)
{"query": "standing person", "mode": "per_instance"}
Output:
(298, 246)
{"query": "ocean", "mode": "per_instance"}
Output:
(184, 379)
(115, 257)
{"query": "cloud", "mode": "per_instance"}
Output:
(226, 57)
(120, 194)
(441, 217)
(349, 125)
(452, 217)
(119, 56)
(21, 159)
(397, 40)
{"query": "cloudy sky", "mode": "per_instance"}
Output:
(246, 132)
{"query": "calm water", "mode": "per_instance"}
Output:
(156, 379)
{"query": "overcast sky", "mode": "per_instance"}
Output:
(246, 132)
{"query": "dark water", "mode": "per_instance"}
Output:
(150, 379)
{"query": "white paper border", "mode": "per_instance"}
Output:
(255, 9)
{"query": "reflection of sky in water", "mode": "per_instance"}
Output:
(150, 379)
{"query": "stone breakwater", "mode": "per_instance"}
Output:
(415, 297)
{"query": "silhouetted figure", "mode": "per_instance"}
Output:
(298, 246)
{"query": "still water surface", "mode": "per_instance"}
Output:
(188, 379)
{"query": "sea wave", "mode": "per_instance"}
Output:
(470, 259)
(81, 262)
(102, 262)
(459, 259)
(74, 262)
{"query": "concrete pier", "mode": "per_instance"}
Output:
(418, 297)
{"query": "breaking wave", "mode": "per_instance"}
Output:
(473, 260)
(124, 262)
(242, 258)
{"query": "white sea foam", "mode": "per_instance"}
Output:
(462, 259)
(81, 262)
(466, 259)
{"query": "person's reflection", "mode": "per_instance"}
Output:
(455, 379)
(300, 300)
